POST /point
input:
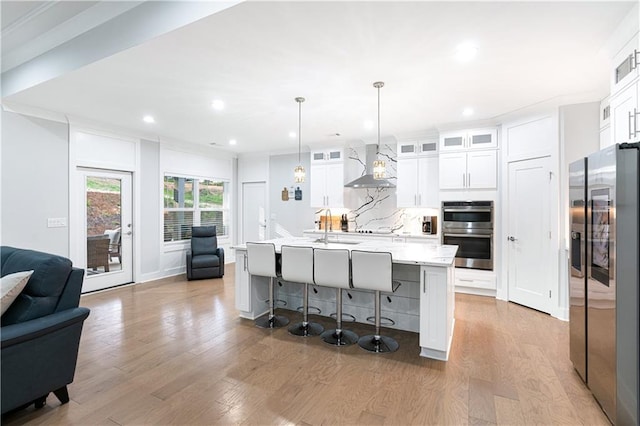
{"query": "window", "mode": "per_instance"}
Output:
(193, 202)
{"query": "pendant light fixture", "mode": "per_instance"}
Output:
(298, 172)
(379, 168)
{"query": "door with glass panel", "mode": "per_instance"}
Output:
(108, 230)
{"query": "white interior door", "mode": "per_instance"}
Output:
(108, 228)
(254, 215)
(529, 233)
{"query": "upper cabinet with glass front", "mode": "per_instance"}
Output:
(412, 148)
(469, 139)
(326, 155)
(626, 63)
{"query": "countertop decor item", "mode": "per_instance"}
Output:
(298, 172)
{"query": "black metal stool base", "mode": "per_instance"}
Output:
(346, 337)
(381, 344)
(311, 329)
(276, 321)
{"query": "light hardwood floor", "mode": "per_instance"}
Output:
(175, 352)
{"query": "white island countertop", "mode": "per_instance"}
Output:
(407, 253)
(378, 233)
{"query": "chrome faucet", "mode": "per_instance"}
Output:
(327, 225)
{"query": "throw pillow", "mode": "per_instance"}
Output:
(12, 285)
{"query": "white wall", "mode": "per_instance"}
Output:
(39, 160)
(288, 217)
(579, 131)
(579, 137)
(197, 163)
(150, 210)
(35, 183)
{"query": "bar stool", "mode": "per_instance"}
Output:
(297, 267)
(261, 260)
(331, 269)
(373, 271)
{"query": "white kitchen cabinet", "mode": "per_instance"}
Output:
(605, 137)
(469, 139)
(468, 170)
(437, 304)
(243, 287)
(417, 182)
(625, 63)
(475, 281)
(414, 148)
(325, 155)
(482, 169)
(417, 173)
(624, 115)
(605, 123)
(327, 184)
(605, 112)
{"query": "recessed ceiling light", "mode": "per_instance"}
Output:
(467, 112)
(466, 52)
(292, 134)
(148, 119)
(368, 124)
(217, 104)
(232, 141)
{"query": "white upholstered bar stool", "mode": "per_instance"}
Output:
(261, 260)
(331, 268)
(297, 267)
(373, 271)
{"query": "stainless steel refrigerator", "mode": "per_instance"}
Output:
(604, 277)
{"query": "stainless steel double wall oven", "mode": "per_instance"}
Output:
(469, 225)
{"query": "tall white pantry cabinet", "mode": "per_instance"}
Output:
(418, 174)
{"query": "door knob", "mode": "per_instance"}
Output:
(512, 239)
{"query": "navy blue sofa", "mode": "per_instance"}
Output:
(41, 330)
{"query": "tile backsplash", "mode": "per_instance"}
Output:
(375, 208)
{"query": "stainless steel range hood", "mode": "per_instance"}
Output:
(367, 181)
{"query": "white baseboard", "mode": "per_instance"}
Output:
(476, 291)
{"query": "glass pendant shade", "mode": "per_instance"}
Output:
(299, 174)
(379, 169)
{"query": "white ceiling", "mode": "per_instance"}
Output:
(258, 56)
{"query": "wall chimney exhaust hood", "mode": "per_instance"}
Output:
(367, 181)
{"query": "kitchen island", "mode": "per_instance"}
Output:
(424, 302)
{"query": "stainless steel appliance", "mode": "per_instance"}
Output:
(469, 225)
(608, 181)
(429, 225)
(577, 276)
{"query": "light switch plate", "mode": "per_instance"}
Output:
(56, 222)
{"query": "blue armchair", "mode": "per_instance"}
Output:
(41, 330)
(205, 259)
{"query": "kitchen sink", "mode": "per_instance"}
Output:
(321, 240)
